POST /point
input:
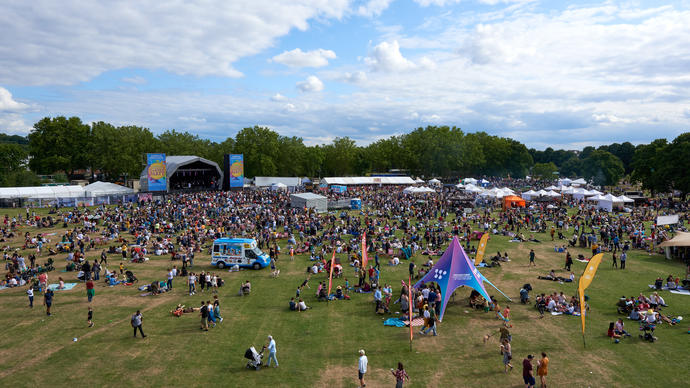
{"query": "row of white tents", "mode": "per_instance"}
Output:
(96, 189)
(418, 190)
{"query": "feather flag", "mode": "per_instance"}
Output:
(585, 281)
(330, 274)
(365, 258)
(481, 248)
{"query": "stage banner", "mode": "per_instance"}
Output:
(237, 170)
(157, 172)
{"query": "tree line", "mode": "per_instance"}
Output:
(70, 145)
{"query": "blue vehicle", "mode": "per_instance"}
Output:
(228, 252)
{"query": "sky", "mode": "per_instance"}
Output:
(546, 73)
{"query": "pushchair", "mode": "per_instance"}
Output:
(130, 277)
(648, 331)
(254, 358)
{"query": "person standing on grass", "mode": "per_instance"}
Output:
(211, 317)
(30, 293)
(624, 257)
(271, 351)
(362, 370)
(90, 291)
(506, 350)
(203, 312)
(400, 375)
(527, 374)
(543, 369)
(104, 258)
(531, 258)
(171, 275)
(48, 300)
(216, 307)
(137, 320)
(89, 317)
(615, 264)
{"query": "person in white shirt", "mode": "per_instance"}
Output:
(170, 279)
(363, 362)
(191, 281)
(271, 351)
(551, 306)
(301, 306)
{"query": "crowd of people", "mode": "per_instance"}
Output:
(398, 228)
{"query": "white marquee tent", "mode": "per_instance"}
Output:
(98, 189)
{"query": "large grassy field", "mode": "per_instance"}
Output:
(319, 347)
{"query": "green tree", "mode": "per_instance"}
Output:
(603, 168)
(59, 144)
(646, 166)
(675, 164)
(260, 147)
(544, 170)
(340, 156)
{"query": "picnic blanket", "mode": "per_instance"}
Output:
(682, 292)
(561, 313)
(68, 286)
(416, 322)
(3, 287)
(397, 322)
(583, 261)
(664, 288)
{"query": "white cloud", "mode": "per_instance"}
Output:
(356, 77)
(136, 80)
(297, 58)
(373, 8)
(290, 107)
(387, 57)
(84, 39)
(7, 103)
(278, 97)
(311, 84)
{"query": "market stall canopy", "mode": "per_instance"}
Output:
(369, 180)
(73, 191)
(682, 239)
(97, 189)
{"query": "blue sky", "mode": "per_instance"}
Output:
(545, 73)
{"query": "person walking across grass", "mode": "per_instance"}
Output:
(48, 300)
(400, 375)
(527, 374)
(137, 320)
(271, 351)
(203, 312)
(90, 291)
(531, 258)
(506, 350)
(362, 370)
(89, 317)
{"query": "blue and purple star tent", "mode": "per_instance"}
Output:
(454, 269)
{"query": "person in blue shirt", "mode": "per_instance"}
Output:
(271, 351)
(377, 298)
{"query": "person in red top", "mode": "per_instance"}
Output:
(90, 291)
(400, 375)
(43, 281)
(527, 374)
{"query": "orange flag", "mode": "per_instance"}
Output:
(330, 274)
(365, 259)
(584, 282)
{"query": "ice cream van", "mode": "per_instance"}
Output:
(228, 252)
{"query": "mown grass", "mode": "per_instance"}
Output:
(319, 347)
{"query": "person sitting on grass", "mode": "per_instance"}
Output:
(293, 304)
(301, 306)
(619, 328)
(611, 333)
